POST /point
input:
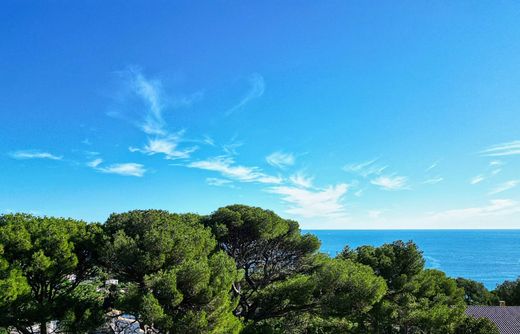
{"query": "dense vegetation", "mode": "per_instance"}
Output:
(239, 270)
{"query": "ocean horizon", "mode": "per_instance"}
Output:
(484, 255)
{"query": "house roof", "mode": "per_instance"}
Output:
(507, 318)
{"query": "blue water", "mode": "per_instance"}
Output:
(487, 256)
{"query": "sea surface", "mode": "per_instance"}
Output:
(487, 256)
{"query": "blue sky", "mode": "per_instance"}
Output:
(339, 114)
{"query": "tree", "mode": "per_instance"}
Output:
(475, 293)
(398, 262)
(509, 291)
(268, 248)
(417, 300)
(437, 304)
(288, 286)
(52, 256)
(470, 325)
(84, 309)
(175, 279)
(13, 287)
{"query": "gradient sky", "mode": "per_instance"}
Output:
(339, 114)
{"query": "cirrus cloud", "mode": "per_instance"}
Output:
(33, 154)
(226, 167)
(309, 203)
(391, 182)
(280, 159)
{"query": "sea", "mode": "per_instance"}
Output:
(487, 256)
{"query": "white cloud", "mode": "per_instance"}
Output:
(126, 169)
(496, 171)
(504, 186)
(226, 166)
(325, 203)
(301, 180)
(365, 169)
(167, 146)
(94, 163)
(231, 147)
(432, 166)
(477, 179)
(34, 154)
(495, 207)
(391, 182)
(504, 149)
(208, 140)
(151, 119)
(256, 90)
(150, 92)
(218, 182)
(496, 163)
(434, 180)
(280, 159)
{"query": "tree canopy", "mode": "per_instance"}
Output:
(44, 260)
(240, 269)
(177, 281)
(475, 293)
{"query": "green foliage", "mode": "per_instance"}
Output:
(470, 325)
(51, 256)
(509, 291)
(475, 293)
(347, 289)
(417, 300)
(84, 309)
(13, 285)
(241, 269)
(398, 263)
(177, 280)
(287, 286)
(267, 248)
(438, 304)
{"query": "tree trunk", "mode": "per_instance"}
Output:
(43, 328)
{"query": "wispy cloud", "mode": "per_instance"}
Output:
(256, 90)
(231, 147)
(495, 207)
(432, 166)
(504, 186)
(325, 203)
(477, 179)
(301, 180)
(365, 169)
(226, 166)
(504, 149)
(391, 182)
(150, 92)
(496, 171)
(434, 180)
(33, 154)
(218, 182)
(150, 118)
(125, 169)
(168, 146)
(94, 163)
(280, 159)
(496, 163)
